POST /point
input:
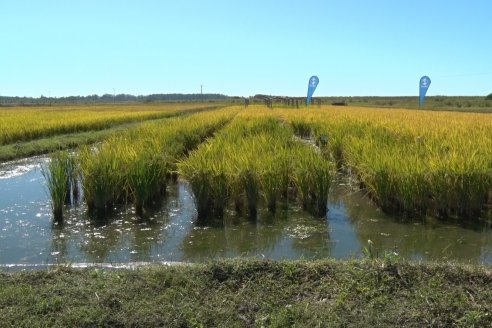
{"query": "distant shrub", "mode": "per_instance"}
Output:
(489, 97)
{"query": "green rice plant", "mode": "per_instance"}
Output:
(56, 174)
(200, 185)
(302, 180)
(236, 192)
(312, 177)
(134, 166)
(200, 181)
(208, 181)
(271, 184)
(73, 176)
(251, 187)
(101, 180)
(219, 193)
(321, 181)
(302, 128)
(24, 123)
(251, 160)
(143, 180)
(411, 162)
(460, 191)
(72, 181)
(227, 166)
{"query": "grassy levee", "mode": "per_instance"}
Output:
(413, 162)
(256, 160)
(133, 166)
(19, 124)
(328, 293)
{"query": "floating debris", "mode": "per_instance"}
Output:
(300, 231)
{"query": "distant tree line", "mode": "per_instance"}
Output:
(109, 98)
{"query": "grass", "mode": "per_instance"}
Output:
(328, 293)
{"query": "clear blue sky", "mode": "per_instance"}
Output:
(375, 48)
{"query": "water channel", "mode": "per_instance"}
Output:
(28, 235)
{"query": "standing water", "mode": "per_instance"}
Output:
(29, 235)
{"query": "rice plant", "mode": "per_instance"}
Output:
(252, 162)
(411, 162)
(22, 124)
(57, 174)
(133, 167)
(101, 181)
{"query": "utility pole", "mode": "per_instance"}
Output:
(114, 96)
(201, 91)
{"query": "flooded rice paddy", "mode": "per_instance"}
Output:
(28, 235)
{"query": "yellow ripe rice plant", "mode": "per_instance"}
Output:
(411, 161)
(28, 123)
(134, 166)
(255, 160)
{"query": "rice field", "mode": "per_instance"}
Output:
(256, 160)
(19, 124)
(410, 162)
(134, 166)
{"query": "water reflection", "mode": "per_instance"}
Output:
(28, 234)
(289, 234)
(419, 239)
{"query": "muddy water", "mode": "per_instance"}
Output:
(29, 236)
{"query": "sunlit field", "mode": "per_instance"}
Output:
(410, 162)
(257, 161)
(132, 166)
(28, 123)
(272, 183)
